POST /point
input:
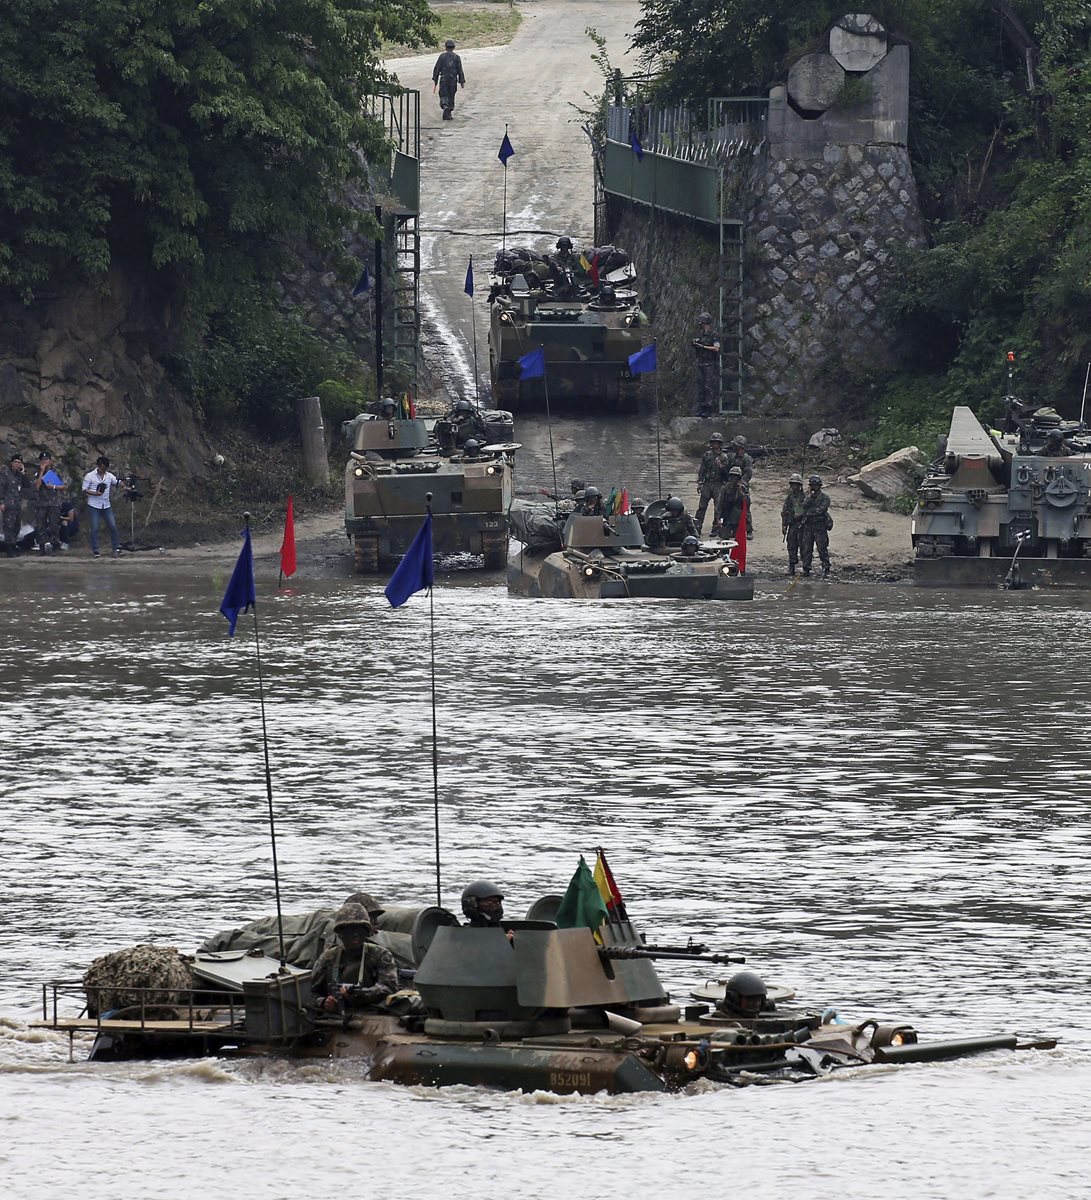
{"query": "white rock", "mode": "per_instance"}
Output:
(890, 477)
(825, 438)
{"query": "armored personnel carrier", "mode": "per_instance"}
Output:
(524, 1006)
(590, 558)
(395, 464)
(588, 331)
(1009, 507)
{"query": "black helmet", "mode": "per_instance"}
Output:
(591, 493)
(745, 994)
(675, 504)
(796, 478)
(352, 914)
(480, 889)
(815, 479)
(690, 544)
(463, 406)
(564, 243)
(1054, 435)
(716, 437)
(704, 318)
(472, 447)
(637, 503)
(607, 295)
(449, 43)
(388, 402)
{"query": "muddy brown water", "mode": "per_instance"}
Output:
(879, 797)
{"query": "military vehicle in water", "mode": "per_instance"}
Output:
(545, 1008)
(592, 558)
(394, 466)
(587, 329)
(1009, 507)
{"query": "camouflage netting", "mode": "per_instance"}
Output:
(109, 979)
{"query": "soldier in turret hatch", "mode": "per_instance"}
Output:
(562, 268)
(447, 76)
(637, 509)
(1056, 446)
(357, 973)
(483, 904)
(592, 503)
(462, 423)
(745, 996)
(673, 528)
(817, 524)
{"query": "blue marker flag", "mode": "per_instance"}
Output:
(469, 289)
(532, 365)
(363, 284)
(414, 572)
(506, 150)
(638, 149)
(643, 361)
(240, 595)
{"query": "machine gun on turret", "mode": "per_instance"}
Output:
(677, 954)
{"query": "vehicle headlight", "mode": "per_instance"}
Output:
(491, 470)
(589, 572)
(359, 472)
(728, 569)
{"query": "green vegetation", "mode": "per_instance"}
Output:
(495, 24)
(1002, 155)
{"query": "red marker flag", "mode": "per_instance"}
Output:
(608, 889)
(595, 270)
(287, 547)
(738, 551)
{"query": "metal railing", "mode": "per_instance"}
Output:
(732, 126)
(180, 1000)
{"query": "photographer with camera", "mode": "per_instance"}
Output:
(98, 486)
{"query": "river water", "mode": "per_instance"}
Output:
(880, 797)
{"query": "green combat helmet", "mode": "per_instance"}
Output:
(796, 478)
(350, 915)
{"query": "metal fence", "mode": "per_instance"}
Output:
(731, 127)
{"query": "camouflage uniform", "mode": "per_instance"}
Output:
(47, 511)
(816, 508)
(11, 496)
(708, 372)
(448, 74)
(711, 477)
(729, 505)
(791, 523)
(370, 971)
(670, 530)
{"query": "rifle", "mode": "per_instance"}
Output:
(609, 952)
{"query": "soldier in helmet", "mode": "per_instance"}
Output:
(357, 973)
(465, 422)
(791, 519)
(690, 545)
(562, 268)
(711, 477)
(483, 904)
(448, 77)
(569, 502)
(706, 346)
(673, 528)
(388, 408)
(738, 457)
(637, 508)
(1056, 446)
(745, 996)
(472, 449)
(591, 505)
(816, 526)
(730, 503)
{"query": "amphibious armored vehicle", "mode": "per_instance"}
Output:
(1008, 507)
(591, 558)
(545, 1008)
(588, 332)
(395, 464)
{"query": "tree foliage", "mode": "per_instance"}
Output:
(196, 135)
(1002, 161)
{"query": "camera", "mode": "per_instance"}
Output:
(101, 488)
(132, 482)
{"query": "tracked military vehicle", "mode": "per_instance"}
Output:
(1009, 508)
(588, 331)
(590, 558)
(396, 464)
(524, 1006)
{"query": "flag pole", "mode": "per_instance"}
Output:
(435, 740)
(268, 775)
(504, 236)
(473, 319)
(549, 427)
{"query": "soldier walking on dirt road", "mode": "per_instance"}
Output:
(447, 76)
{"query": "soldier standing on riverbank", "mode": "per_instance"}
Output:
(739, 458)
(711, 476)
(816, 527)
(48, 492)
(791, 519)
(12, 483)
(706, 345)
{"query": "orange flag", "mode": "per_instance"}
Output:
(287, 547)
(738, 552)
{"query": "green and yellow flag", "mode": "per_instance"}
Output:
(582, 906)
(584, 261)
